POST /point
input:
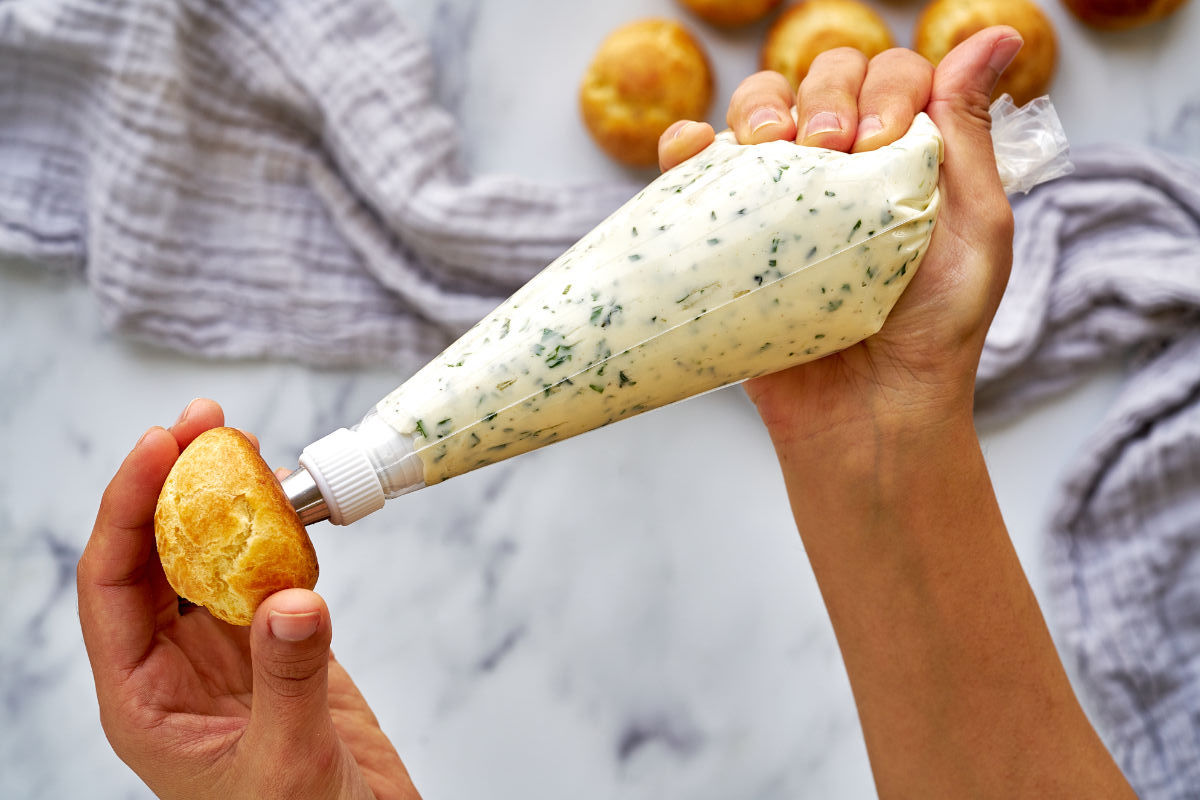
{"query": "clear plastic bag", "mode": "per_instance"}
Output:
(1030, 144)
(743, 261)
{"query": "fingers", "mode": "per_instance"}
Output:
(681, 141)
(959, 101)
(199, 415)
(976, 215)
(289, 647)
(827, 105)
(120, 583)
(760, 109)
(116, 574)
(897, 86)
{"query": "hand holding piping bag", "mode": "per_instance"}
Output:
(958, 685)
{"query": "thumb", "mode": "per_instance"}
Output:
(289, 649)
(961, 95)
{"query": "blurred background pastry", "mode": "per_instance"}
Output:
(945, 23)
(1115, 15)
(730, 13)
(644, 76)
(808, 28)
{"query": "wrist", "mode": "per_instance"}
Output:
(866, 428)
(858, 479)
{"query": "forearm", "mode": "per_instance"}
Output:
(959, 688)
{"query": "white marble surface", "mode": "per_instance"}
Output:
(625, 615)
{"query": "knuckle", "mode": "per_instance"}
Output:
(900, 58)
(972, 104)
(760, 84)
(289, 677)
(836, 74)
(841, 57)
(750, 96)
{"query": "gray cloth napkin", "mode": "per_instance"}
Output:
(1107, 264)
(265, 177)
(273, 177)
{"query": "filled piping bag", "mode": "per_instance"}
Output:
(742, 261)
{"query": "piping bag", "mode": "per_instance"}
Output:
(742, 261)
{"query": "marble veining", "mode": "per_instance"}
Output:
(626, 615)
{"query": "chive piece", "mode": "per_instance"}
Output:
(421, 429)
(595, 388)
(560, 355)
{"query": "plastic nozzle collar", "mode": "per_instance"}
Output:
(345, 476)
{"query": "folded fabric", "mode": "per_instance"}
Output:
(273, 177)
(261, 178)
(1107, 264)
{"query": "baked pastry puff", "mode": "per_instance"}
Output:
(730, 13)
(945, 23)
(226, 534)
(808, 28)
(644, 76)
(1114, 15)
